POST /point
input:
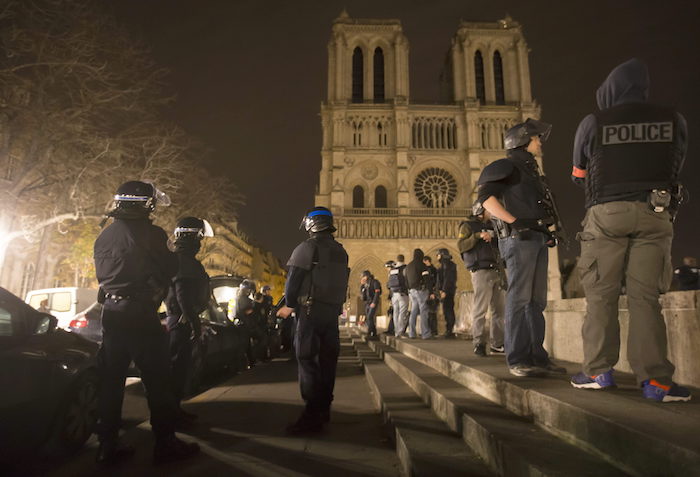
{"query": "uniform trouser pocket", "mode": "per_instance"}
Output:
(666, 274)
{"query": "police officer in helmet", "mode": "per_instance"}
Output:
(188, 296)
(511, 189)
(134, 268)
(628, 157)
(315, 291)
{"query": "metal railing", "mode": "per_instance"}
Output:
(410, 211)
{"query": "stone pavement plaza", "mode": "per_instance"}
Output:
(241, 431)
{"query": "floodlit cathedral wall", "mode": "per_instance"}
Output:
(399, 175)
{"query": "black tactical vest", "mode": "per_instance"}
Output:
(480, 256)
(397, 282)
(633, 153)
(523, 196)
(329, 276)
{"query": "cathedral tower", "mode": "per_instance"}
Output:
(399, 175)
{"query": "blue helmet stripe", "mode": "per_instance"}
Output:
(320, 212)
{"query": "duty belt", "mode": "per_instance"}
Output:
(114, 297)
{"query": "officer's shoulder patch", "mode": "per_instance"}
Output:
(496, 171)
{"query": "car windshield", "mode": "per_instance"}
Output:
(5, 322)
(35, 300)
(61, 301)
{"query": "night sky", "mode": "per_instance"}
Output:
(250, 76)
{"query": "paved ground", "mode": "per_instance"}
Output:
(241, 431)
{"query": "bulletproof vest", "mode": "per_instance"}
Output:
(481, 255)
(397, 282)
(633, 152)
(524, 194)
(329, 275)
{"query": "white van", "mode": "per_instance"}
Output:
(63, 303)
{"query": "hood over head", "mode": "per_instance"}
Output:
(418, 255)
(626, 83)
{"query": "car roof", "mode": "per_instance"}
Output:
(223, 280)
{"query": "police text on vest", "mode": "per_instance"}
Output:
(638, 132)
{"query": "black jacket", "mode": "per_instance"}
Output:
(447, 276)
(414, 271)
(132, 260)
(189, 291)
(371, 291)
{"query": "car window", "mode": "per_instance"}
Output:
(223, 294)
(35, 300)
(61, 301)
(5, 322)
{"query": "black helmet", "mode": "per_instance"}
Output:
(318, 219)
(520, 134)
(265, 288)
(390, 264)
(444, 253)
(247, 284)
(193, 227)
(139, 195)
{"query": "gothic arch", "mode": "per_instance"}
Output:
(357, 74)
(368, 262)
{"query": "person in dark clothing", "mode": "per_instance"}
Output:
(447, 287)
(416, 276)
(267, 299)
(433, 302)
(511, 190)
(688, 275)
(260, 335)
(245, 307)
(188, 296)
(480, 255)
(316, 288)
(134, 268)
(370, 290)
(628, 157)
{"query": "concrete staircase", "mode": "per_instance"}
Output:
(457, 414)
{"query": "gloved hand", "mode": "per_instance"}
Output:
(551, 240)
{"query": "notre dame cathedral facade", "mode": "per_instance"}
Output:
(399, 175)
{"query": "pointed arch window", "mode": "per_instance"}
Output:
(479, 77)
(498, 78)
(380, 197)
(378, 75)
(358, 83)
(358, 197)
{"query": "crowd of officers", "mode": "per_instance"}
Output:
(627, 157)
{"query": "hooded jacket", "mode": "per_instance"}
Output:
(414, 271)
(626, 84)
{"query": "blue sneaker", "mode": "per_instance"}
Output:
(653, 389)
(599, 381)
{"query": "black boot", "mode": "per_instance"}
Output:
(171, 449)
(308, 423)
(111, 453)
(480, 350)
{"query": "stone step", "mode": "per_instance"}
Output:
(424, 444)
(510, 445)
(638, 436)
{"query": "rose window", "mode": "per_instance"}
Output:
(435, 188)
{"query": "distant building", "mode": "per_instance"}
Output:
(400, 175)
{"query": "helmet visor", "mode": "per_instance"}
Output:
(161, 198)
(208, 231)
(538, 128)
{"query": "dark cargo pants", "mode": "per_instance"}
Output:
(626, 242)
(132, 332)
(317, 344)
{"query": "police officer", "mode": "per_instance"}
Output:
(432, 302)
(447, 287)
(134, 268)
(267, 299)
(188, 296)
(511, 190)
(628, 157)
(476, 244)
(398, 291)
(245, 306)
(315, 291)
(370, 290)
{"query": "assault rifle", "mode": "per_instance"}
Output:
(550, 206)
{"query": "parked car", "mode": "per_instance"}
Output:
(49, 383)
(63, 303)
(225, 291)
